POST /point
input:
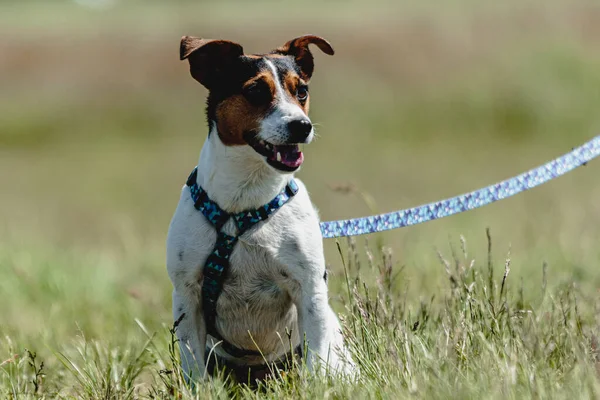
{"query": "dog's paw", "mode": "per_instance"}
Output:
(347, 368)
(341, 365)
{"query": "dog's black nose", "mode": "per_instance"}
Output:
(299, 130)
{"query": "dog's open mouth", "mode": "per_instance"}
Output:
(284, 157)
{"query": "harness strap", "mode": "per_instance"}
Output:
(217, 263)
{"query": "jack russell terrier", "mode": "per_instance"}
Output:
(244, 249)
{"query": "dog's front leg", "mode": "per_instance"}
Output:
(324, 344)
(191, 333)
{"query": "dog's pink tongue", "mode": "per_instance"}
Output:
(295, 160)
(289, 155)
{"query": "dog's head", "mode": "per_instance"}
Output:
(258, 100)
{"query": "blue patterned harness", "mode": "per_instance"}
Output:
(217, 263)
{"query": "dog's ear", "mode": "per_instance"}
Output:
(298, 48)
(209, 59)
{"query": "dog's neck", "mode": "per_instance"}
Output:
(235, 177)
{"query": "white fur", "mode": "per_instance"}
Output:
(274, 127)
(276, 276)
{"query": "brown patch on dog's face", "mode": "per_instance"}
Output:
(234, 117)
(263, 77)
(242, 113)
(292, 84)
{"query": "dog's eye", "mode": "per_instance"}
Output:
(302, 93)
(258, 93)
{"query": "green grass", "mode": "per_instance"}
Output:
(100, 124)
(478, 335)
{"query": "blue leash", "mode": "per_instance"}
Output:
(469, 201)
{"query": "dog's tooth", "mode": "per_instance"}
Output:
(278, 156)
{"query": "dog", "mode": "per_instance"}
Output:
(271, 295)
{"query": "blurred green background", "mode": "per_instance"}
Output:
(100, 124)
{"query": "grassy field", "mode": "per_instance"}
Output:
(100, 125)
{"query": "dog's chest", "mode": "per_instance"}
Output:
(254, 277)
(254, 296)
(253, 274)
